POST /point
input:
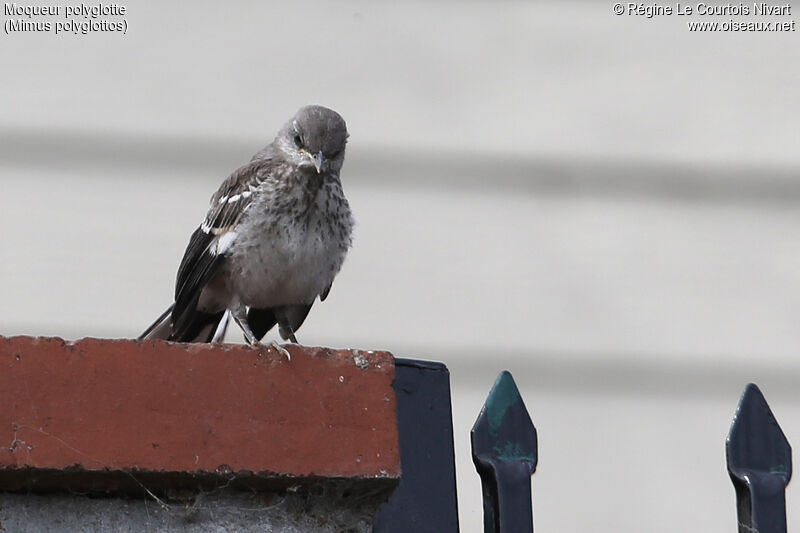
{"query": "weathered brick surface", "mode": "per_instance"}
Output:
(157, 407)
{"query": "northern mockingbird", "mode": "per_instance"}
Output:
(273, 240)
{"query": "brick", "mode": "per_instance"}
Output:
(88, 409)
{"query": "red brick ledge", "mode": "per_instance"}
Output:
(93, 412)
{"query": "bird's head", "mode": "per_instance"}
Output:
(314, 139)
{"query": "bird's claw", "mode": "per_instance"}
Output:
(282, 350)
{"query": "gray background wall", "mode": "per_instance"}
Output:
(605, 205)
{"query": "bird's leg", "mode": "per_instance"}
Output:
(239, 314)
(284, 327)
(290, 337)
(285, 330)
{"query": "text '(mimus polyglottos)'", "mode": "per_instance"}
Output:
(272, 242)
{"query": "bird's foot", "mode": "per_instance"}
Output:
(240, 316)
(250, 340)
(282, 350)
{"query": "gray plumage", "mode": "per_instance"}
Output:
(273, 240)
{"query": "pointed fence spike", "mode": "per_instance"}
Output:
(759, 463)
(504, 450)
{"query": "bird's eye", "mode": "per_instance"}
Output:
(298, 141)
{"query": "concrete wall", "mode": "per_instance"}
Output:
(152, 436)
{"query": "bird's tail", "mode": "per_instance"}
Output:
(161, 328)
(202, 327)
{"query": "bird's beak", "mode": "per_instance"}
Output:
(318, 159)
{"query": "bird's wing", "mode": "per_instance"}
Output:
(234, 196)
(199, 264)
(325, 291)
(210, 242)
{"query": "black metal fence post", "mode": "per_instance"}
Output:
(505, 453)
(425, 501)
(760, 465)
(504, 450)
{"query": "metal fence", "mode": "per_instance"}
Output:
(505, 453)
